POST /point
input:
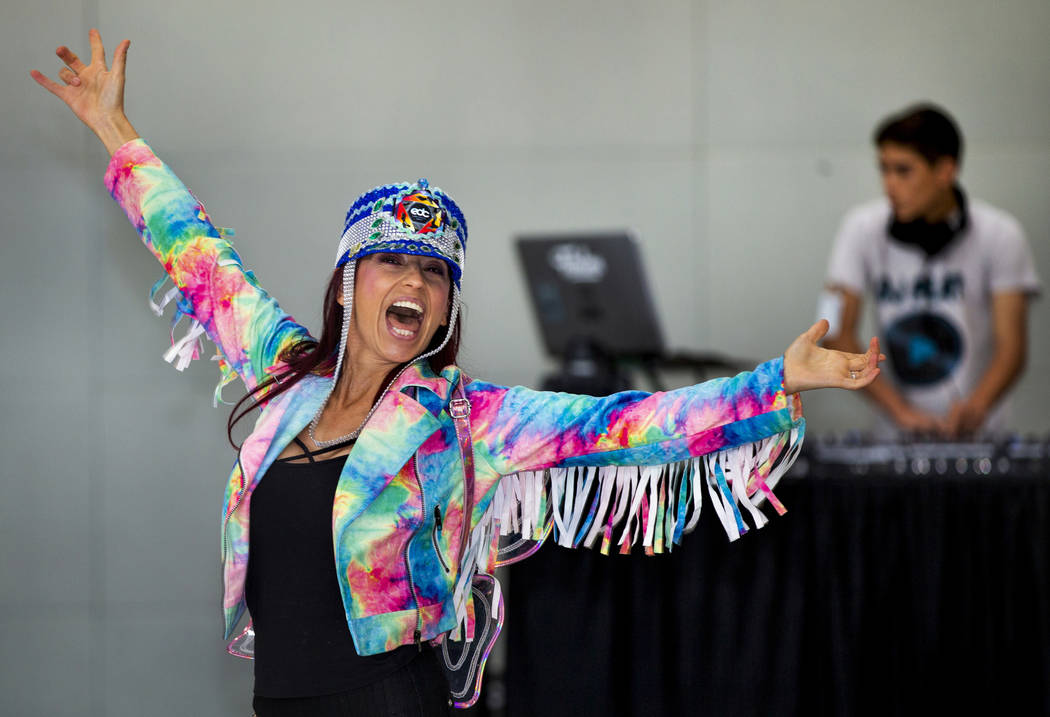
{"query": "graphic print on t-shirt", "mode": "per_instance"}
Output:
(925, 346)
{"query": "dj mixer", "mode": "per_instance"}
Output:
(857, 454)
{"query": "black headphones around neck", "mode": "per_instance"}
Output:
(932, 237)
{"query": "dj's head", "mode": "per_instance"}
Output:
(920, 152)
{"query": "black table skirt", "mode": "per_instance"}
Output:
(887, 596)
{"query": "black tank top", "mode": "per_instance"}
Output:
(303, 646)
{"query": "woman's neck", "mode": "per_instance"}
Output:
(359, 384)
(351, 402)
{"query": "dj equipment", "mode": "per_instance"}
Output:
(832, 455)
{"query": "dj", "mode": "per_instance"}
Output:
(951, 279)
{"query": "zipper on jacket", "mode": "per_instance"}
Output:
(418, 635)
(434, 538)
(226, 521)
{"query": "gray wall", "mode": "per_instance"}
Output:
(729, 136)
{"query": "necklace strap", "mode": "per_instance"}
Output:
(331, 442)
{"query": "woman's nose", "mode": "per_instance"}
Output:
(413, 273)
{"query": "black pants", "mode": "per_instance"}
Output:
(418, 689)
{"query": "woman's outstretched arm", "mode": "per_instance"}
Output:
(635, 466)
(530, 430)
(245, 322)
(94, 93)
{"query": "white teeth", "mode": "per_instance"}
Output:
(409, 305)
(402, 332)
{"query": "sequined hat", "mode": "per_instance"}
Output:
(406, 219)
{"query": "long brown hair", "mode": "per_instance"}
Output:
(318, 357)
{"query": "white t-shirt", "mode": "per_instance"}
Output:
(934, 315)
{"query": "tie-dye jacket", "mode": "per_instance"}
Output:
(614, 471)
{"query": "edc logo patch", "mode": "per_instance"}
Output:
(420, 213)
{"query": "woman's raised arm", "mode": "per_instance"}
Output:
(94, 93)
(214, 289)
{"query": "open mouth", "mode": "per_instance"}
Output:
(404, 318)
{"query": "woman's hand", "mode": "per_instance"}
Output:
(808, 366)
(94, 93)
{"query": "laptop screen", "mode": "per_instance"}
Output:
(591, 286)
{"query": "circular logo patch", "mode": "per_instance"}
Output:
(924, 348)
(420, 213)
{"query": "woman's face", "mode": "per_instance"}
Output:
(400, 301)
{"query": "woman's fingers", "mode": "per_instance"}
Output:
(98, 52)
(863, 368)
(69, 57)
(865, 378)
(47, 83)
(120, 56)
(870, 358)
(874, 355)
(817, 331)
(862, 371)
(69, 77)
(873, 350)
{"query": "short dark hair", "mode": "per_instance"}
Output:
(925, 128)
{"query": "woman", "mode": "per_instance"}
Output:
(382, 457)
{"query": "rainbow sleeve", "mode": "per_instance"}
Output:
(634, 467)
(211, 286)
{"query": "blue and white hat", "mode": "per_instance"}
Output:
(406, 219)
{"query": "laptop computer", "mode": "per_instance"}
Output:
(591, 286)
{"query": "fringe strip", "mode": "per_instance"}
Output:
(478, 555)
(188, 348)
(621, 506)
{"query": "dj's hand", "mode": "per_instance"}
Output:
(808, 366)
(918, 423)
(964, 418)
